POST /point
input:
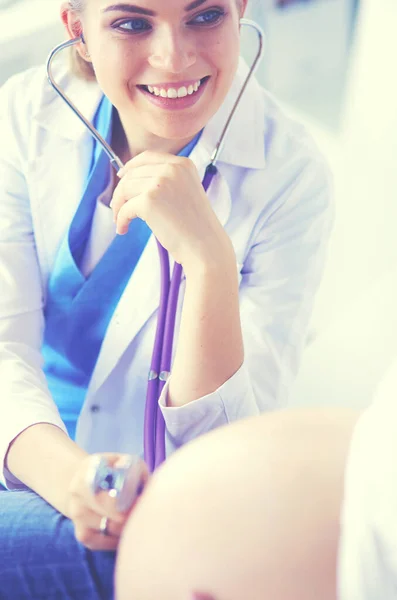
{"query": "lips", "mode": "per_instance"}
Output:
(175, 98)
(174, 90)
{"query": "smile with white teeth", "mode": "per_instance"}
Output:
(174, 93)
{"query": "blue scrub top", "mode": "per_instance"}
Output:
(78, 309)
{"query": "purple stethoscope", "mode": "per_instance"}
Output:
(160, 368)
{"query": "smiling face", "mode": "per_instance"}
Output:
(166, 66)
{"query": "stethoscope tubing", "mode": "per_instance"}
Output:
(160, 368)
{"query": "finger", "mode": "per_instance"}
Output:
(150, 158)
(126, 191)
(127, 213)
(95, 540)
(138, 180)
(92, 508)
(84, 518)
(144, 171)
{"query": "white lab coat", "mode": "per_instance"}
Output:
(272, 195)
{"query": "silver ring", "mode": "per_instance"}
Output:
(103, 526)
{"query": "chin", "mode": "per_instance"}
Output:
(179, 131)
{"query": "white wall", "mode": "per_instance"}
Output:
(29, 29)
(306, 53)
(356, 316)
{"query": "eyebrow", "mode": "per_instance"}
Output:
(131, 8)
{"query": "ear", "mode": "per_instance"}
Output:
(74, 29)
(243, 7)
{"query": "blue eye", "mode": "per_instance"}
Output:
(210, 17)
(134, 25)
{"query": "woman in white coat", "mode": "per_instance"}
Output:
(78, 305)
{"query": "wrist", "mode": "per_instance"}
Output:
(214, 260)
(71, 471)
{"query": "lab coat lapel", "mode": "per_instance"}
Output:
(138, 302)
(56, 183)
(60, 161)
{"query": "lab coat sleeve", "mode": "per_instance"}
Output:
(279, 278)
(24, 396)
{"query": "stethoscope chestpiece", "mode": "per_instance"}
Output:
(125, 482)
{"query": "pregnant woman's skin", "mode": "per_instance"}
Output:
(250, 511)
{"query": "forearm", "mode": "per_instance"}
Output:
(45, 459)
(210, 345)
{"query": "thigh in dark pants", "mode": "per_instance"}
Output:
(40, 557)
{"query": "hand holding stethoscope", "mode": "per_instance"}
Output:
(166, 192)
(102, 493)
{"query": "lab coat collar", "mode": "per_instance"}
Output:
(245, 142)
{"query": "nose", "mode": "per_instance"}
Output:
(172, 52)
